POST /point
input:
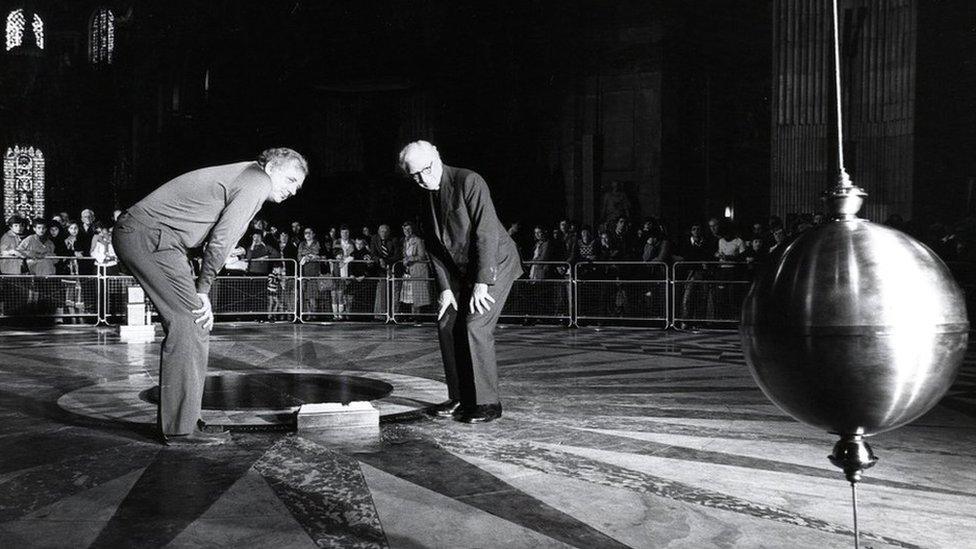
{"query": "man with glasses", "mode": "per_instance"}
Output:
(211, 206)
(476, 262)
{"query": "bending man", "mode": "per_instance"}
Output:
(211, 206)
(476, 263)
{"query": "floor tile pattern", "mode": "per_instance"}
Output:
(611, 437)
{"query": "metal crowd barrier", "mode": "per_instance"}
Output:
(622, 291)
(709, 292)
(265, 290)
(413, 291)
(544, 292)
(549, 296)
(248, 295)
(65, 295)
(341, 289)
(701, 294)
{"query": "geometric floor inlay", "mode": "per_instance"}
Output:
(129, 400)
(611, 437)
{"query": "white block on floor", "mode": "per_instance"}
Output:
(146, 332)
(135, 314)
(359, 414)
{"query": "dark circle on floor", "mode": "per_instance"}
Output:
(282, 390)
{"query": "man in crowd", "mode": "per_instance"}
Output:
(258, 255)
(214, 206)
(476, 263)
(385, 250)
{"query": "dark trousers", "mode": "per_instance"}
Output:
(165, 274)
(468, 345)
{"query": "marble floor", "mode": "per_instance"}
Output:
(610, 438)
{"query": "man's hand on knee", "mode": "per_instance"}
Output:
(480, 300)
(206, 312)
(445, 302)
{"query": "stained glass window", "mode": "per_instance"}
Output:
(15, 28)
(23, 182)
(38, 31)
(101, 36)
(16, 23)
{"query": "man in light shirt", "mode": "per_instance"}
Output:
(213, 206)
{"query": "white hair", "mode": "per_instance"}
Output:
(421, 146)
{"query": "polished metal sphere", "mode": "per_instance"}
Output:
(856, 328)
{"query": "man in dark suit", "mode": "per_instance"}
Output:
(385, 250)
(476, 262)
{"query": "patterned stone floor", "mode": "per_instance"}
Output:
(610, 438)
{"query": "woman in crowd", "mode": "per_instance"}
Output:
(331, 240)
(728, 293)
(657, 247)
(416, 290)
(102, 250)
(730, 246)
(309, 255)
(60, 250)
(73, 247)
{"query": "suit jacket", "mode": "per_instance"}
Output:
(392, 247)
(465, 240)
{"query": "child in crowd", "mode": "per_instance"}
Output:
(360, 260)
(276, 287)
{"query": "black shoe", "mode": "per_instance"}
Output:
(481, 413)
(197, 438)
(444, 409)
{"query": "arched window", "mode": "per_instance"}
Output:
(16, 24)
(23, 182)
(15, 28)
(38, 31)
(101, 36)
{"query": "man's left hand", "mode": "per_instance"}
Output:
(480, 300)
(206, 318)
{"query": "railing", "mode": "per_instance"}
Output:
(340, 289)
(265, 290)
(709, 292)
(688, 294)
(65, 295)
(544, 292)
(412, 291)
(622, 291)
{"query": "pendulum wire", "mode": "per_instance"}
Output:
(854, 501)
(845, 179)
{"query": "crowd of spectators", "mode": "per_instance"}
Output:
(61, 245)
(334, 260)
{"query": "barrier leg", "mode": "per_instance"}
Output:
(298, 297)
(101, 297)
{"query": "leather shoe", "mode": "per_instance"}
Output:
(481, 413)
(197, 438)
(444, 409)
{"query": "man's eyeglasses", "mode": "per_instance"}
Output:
(426, 171)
